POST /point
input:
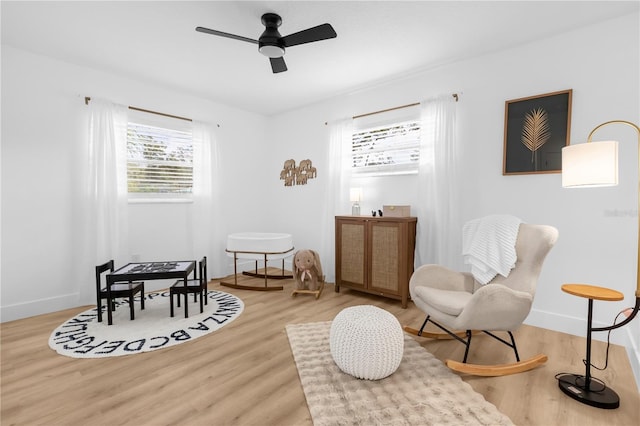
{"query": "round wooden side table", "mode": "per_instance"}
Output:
(583, 388)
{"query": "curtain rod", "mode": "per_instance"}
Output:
(87, 99)
(455, 96)
(385, 110)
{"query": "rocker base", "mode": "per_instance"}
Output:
(317, 292)
(282, 276)
(250, 287)
(477, 369)
(497, 370)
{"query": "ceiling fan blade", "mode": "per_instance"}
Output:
(223, 34)
(321, 32)
(278, 65)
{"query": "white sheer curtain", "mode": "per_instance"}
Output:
(439, 229)
(205, 210)
(337, 190)
(102, 208)
(108, 180)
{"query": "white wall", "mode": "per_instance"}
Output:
(598, 227)
(43, 118)
(43, 121)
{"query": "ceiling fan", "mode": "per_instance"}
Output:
(272, 44)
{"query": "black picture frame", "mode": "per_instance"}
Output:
(535, 130)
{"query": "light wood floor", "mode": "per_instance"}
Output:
(244, 374)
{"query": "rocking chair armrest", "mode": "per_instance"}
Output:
(497, 307)
(501, 290)
(440, 277)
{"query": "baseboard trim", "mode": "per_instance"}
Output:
(577, 326)
(38, 307)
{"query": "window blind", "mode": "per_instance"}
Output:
(159, 159)
(386, 149)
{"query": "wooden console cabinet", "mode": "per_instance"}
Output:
(375, 255)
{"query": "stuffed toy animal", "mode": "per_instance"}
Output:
(307, 270)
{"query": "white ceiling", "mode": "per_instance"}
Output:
(156, 41)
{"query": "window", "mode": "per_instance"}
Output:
(386, 148)
(159, 157)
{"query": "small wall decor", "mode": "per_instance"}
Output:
(293, 175)
(535, 130)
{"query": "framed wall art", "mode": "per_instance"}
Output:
(535, 130)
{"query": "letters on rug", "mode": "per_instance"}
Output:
(84, 337)
(422, 390)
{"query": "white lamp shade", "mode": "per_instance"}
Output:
(590, 164)
(355, 195)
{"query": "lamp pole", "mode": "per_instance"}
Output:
(637, 307)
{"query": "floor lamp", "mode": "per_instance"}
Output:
(584, 165)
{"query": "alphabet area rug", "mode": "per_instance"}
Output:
(422, 391)
(84, 337)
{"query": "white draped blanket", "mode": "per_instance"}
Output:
(489, 246)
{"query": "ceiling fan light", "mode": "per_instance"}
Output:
(271, 51)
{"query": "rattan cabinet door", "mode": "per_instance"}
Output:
(385, 251)
(350, 253)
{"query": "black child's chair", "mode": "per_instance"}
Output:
(121, 289)
(197, 286)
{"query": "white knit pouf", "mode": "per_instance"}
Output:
(366, 342)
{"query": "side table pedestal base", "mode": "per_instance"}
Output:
(597, 394)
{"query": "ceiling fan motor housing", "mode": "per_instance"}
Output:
(269, 43)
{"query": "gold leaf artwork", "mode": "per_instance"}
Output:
(535, 130)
